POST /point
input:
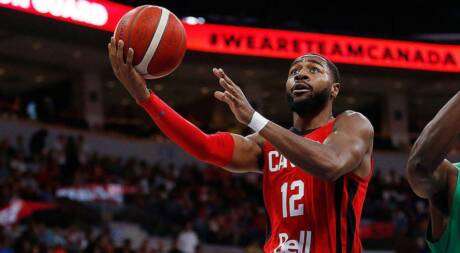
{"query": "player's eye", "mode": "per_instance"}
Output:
(314, 70)
(294, 71)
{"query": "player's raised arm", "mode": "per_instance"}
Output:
(233, 152)
(342, 152)
(427, 169)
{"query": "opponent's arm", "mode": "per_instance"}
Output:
(427, 169)
(342, 152)
(232, 152)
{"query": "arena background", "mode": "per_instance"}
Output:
(82, 167)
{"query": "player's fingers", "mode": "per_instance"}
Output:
(237, 90)
(223, 83)
(112, 44)
(216, 72)
(231, 97)
(112, 47)
(225, 97)
(232, 87)
(227, 86)
(120, 51)
(221, 97)
(112, 58)
(109, 50)
(129, 58)
(112, 50)
(226, 78)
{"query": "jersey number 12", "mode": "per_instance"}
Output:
(297, 191)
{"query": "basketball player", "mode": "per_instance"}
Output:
(434, 178)
(315, 175)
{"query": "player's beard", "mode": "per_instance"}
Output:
(309, 105)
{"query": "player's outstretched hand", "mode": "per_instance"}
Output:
(234, 97)
(125, 72)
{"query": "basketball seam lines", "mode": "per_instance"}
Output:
(133, 22)
(154, 43)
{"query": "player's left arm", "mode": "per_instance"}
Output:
(342, 152)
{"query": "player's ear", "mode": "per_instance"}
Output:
(335, 88)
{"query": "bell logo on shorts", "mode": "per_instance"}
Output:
(287, 245)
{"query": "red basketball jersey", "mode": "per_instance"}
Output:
(307, 214)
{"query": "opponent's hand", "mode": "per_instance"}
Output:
(125, 72)
(234, 97)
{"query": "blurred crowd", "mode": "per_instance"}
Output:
(167, 199)
(212, 206)
(123, 118)
(390, 199)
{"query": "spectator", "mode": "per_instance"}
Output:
(187, 241)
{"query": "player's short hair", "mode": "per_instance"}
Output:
(332, 67)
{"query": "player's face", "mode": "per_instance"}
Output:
(309, 84)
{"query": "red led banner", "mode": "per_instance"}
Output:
(100, 14)
(222, 39)
(340, 49)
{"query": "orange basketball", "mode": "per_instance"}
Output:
(157, 37)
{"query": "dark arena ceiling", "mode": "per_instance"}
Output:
(385, 19)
